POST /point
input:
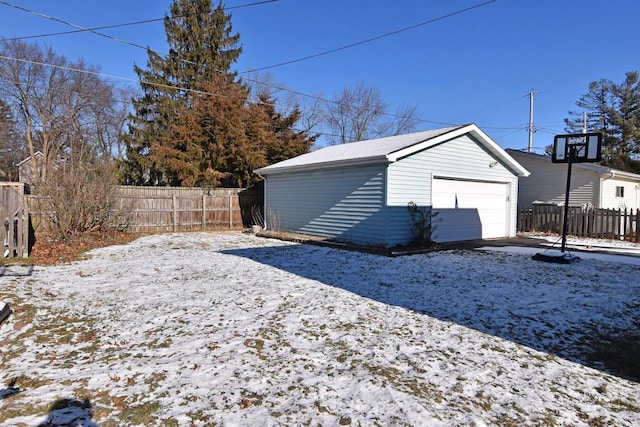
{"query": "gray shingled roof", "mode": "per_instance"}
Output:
(383, 150)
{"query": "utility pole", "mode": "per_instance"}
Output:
(531, 127)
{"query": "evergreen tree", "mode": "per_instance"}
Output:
(597, 103)
(625, 118)
(281, 140)
(202, 47)
(220, 138)
(614, 110)
(207, 144)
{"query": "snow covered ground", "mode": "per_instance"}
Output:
(233, 329)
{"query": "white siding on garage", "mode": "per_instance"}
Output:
(410, 178)
(548, 182)
(345, 204)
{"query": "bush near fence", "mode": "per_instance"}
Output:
(620, 224)
(173, 209)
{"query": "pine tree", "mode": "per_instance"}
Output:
(614, 110)
(597, 103)
(625, 119)
(207, 145)
(221, 137)
(281, 140)
(202, 48)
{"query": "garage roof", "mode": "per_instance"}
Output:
(387, 150)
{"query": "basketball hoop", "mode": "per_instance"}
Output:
(572, 148)
(577, 148)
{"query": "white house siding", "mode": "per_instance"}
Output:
(410, 179)
(548, 182)
(611, 201)
(346, 204)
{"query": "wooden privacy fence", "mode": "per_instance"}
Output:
(169, 209)
(161, 209)
(592, 222)
(14, 221)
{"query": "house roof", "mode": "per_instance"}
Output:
(388, 150)
(599, 169)
(37, 154)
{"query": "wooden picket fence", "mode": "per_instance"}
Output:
(619, 224)
(173, 209)
(14, 221)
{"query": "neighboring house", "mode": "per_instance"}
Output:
(359, 192)
(591, 184)
(25, 168)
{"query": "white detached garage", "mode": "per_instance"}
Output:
(359, 192)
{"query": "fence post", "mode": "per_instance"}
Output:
(230, 212)
(25, 230)
(616, 225)
(204, 213)
(175, 213)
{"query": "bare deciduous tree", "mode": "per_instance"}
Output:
(72, 115)
(359, 112)
(11, 147)
(66, 109)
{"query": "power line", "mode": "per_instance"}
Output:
(327, 52)
(105, 27)
(61, 21)
(263, 68)
(507, 134)
(285, 89)
(122, 101)
(200, 92)
(317, 98)
(61, 33)
(491, 107)
(100, 74)
(147, 48)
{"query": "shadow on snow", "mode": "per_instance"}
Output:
(534, 316)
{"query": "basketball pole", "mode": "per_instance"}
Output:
(570, 149)
(565, 221)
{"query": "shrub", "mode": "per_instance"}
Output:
(83, 199)
(422, 225)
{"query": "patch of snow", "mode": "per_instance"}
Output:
(235, 329)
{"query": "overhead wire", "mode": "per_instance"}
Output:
(369, 40)
(271, 85)
(149, 49)
(199, 92)
(137, 103)
(285, 89)
(106, 27)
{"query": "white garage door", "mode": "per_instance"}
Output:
(469, 210)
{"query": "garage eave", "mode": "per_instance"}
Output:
(381, 159)
(477, 134)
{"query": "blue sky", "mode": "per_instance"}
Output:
(476, 66)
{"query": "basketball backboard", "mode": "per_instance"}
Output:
(586, 147)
